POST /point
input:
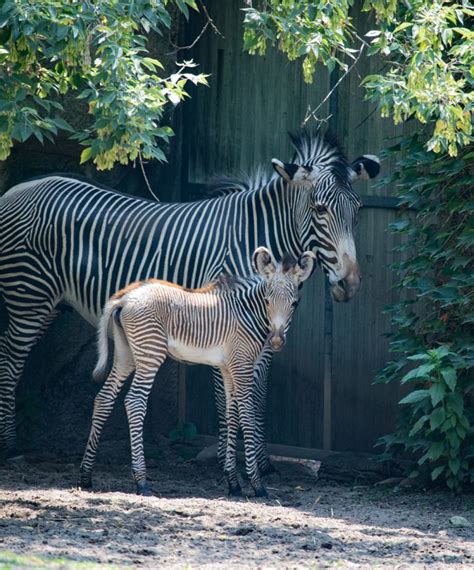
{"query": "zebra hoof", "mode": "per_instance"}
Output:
(261, 492)
(86, 482)
(268, 469)
(10, 455)
(235, 491)
(143, 489)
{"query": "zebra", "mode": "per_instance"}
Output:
(64, 240)
(225, 324)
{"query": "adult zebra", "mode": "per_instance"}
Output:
(64, 240)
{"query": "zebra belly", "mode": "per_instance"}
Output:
(211, 356)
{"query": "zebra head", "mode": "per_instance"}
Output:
(283, 281)
(320, 166)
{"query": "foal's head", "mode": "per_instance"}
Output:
(283, 281)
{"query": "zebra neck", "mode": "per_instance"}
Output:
(276, 216)
(250, 300)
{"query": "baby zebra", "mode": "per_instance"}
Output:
(224, 324)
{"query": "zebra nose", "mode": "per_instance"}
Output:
(277, 342)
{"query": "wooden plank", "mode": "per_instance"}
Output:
(241, 121)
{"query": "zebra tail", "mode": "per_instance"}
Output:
(100, 369)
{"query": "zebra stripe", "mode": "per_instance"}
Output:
(224, 325)
(67, 240)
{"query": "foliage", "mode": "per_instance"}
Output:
(434, 317)
(97, 52)
(426, 48)
(316, 31)
(185, 432)
(427, 74)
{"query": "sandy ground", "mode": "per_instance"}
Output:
(191, 522)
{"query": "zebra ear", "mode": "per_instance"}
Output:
(304, 266)
(264, 262)
(285, 170)
(364, 167)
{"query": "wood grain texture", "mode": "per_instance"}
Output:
(242, 121)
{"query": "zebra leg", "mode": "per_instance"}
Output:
(232, 428)
(136, 404)
(260, 402)
(243, 382)
(220, 398)
(24, 330)
(103, 405)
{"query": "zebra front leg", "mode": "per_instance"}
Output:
(22, 333)
(103, 405)
(232, 428)
(243, 382)
(260, 402)
(220, 398)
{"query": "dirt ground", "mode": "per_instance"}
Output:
(191, 523)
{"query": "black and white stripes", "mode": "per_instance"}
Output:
(224, 325)
(64, 240)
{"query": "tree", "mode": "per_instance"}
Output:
(97, 53)
(428, 68)
(426, 49)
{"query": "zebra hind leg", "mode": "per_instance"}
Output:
(24, 330)
(136, 405)
(103, 405)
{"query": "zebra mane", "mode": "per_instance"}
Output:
(225, 282)
(319, 148)
(225, 185)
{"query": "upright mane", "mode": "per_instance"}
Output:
(321, 149)
(225, 185)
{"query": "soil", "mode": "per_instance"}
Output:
(190, 522)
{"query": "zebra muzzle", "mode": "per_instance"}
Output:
(277, 342)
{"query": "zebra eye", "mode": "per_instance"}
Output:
(294, 304)
(321, 209)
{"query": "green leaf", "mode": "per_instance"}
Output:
(437, 392)
(437, 417)
(414, 397)
(437, 472)
(86, 155)
(419, 372)
(418, 425)
(454, 465)
(450, 376)
(421, 356)
(435, 451)
(175, 435)
(189, 431)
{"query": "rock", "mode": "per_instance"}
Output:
(459, 522)
(243, 530)
(207, 453)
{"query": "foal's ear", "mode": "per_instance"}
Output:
(264, 262)
(304, 266)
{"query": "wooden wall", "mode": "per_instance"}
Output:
(241, 121)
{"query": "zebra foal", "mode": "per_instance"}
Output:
(225, 324)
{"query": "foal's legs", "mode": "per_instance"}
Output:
(103, 404)
(149, 354)
(241, 410)
(232, 428)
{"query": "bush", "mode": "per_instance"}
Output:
(434, 320)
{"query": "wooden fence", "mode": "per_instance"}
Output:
(321, 392)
